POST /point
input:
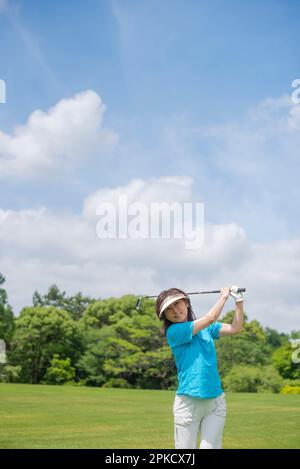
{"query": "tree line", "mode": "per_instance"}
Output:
(79, 340)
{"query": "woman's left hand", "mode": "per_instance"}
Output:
(225, 291)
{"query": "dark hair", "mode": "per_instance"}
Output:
(161, 297)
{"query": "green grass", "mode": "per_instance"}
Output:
(78, 417)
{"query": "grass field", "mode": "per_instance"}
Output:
(74, 417)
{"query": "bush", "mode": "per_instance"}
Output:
(242, 379)
(270, 380)
(9, 373)
(292, 382)
(291, 386)
(283, 361)
(60, 371)
(290, 389)
(116, 383)
(80, 383)
(253, 379)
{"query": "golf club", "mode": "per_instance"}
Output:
(139, 301)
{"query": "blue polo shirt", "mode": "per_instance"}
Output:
(196, 359)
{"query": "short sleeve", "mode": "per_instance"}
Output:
(214, 330)
(180, 333)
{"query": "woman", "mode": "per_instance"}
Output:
(199, 404)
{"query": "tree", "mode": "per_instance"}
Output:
(125, 346)
(6, 315)
(54, 297)
(42, 332)
(252, 379)
(75, 305)
(250, 347)
(295, 334)
(274, 338)
(10, 374)
(151, 369)
(91, 364)
(283, 362)
(60, 371)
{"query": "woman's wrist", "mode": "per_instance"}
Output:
(217, 309)
(224, 298)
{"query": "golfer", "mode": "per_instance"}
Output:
(199, 404)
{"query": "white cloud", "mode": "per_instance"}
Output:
(165, 189)
(39, 248)
(58, 140)
(247, 170)
(255, 167)
(256, 146)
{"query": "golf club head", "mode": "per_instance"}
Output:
(138, 304)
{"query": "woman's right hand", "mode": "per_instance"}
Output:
(225, 291)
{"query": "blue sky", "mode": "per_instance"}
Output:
(210, 59)
(196, 89)
(153, 63)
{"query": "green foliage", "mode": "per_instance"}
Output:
(42, 332)
(290, 389)
(283, 362)
(7, 325)
(250, 347)
(275, 339)
(128, 346)
(252, 379)
(60, 371)
(9, 373)
(75, 305)
(292, 382)
(78, 340)
(270, 380)
(92, 361)
(116, 383)
(295, 334)
(242, 379)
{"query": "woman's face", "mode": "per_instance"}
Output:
(177, 311)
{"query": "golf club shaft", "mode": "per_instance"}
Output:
(138, 303)
(240, 290)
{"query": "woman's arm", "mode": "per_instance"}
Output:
(213, 314)
(237, 323)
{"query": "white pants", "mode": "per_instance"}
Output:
(193, 415)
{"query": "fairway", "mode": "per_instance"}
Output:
(80, 417)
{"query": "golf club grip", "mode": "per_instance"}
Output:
(239, 290)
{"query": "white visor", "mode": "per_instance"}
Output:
(169, 300)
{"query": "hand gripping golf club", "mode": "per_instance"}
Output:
(140, 298)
